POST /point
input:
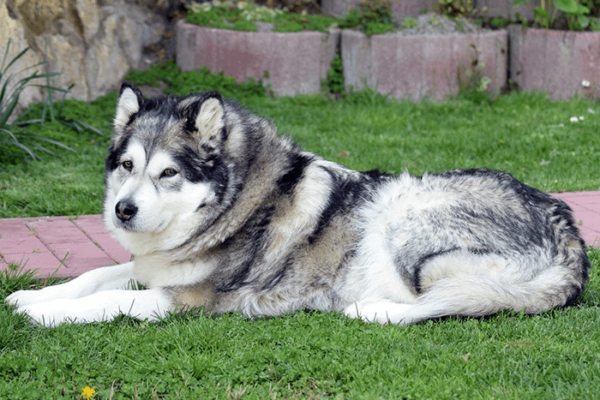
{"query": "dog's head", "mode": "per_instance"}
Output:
(164, 169)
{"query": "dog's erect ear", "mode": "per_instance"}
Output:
(130, 101)
(205, 117)
(209, 121)
(205, 114)
(210, 118)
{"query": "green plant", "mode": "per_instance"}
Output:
(472, 81)
(373, 17)
(229, 15)
(287, 22)
(10, 133)
(593, 5)
(577, 15)
(335, 76)
(409, 23)
(594, 25)
(546, 14)
(500, 22)
(242, 16)
(456, 8)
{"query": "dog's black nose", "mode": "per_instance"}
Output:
(125, 210)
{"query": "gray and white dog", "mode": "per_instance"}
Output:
(220, 212)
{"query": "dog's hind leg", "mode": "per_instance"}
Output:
(479, 295)
(96, 280)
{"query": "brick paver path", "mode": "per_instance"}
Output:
(82, 244)
(44, 242)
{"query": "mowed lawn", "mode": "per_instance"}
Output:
(312, 354)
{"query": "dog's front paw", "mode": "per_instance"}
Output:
(47, 316)
(23, 298)
(26, 297)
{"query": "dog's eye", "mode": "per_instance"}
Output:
(168, 172)
(127, 165)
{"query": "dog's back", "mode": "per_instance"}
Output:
(466, 242)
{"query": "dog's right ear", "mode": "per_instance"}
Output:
(130, 101)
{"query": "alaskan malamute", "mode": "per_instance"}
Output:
(223, 213)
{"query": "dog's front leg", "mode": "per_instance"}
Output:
(101, 279)
(102, 306)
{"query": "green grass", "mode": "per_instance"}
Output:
(244, 19)
(373, 18)
(317, 355)
(522, 133)
(306, 355)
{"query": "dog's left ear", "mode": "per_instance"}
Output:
(130, 101)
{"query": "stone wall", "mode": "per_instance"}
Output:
(296, 62)
(92, 42)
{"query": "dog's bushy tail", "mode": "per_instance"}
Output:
(479, 295)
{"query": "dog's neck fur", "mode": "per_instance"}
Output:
(258, 176)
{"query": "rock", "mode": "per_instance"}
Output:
(11, 28)
(92, 42)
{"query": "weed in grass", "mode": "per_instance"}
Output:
(87, 393)
(335, 77)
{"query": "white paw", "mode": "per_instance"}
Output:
(26, 297)
(50, 314)
(382, 311)
(102, 306)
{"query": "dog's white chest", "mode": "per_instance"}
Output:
(160, 271)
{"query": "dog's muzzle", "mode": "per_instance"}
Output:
(125, 210)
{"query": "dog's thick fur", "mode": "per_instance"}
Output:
(220, 212)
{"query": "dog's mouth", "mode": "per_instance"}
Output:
(133, 226)
(125, 225)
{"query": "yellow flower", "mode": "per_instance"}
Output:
(88, 392)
